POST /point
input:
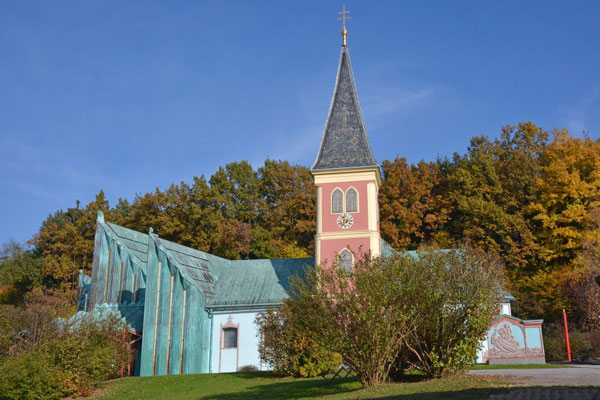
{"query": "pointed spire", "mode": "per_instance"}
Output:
(345, 143)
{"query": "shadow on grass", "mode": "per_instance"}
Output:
(292, 389)
(295, 390)
(248, 375)
(315, 389)
(347, 388)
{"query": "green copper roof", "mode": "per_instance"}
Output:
(226, 283)
(386, 249)
(256, 283)
(136, 242)
(194, 265)
(131, 315)
(523, 321)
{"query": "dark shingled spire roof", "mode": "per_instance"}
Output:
(345, 143)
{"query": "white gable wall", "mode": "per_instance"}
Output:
(246, 353)
(506, 308)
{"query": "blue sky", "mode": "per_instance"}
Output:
(130, 96)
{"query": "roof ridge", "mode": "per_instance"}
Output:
(273, 259)
(210, 290)
(204, 253)
(115, 236)
(110, 224)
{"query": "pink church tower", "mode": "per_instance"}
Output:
(347, 178)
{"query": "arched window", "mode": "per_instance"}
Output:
(337, 201)
(351, 200)
(345, 261)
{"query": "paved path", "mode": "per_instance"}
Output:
(577, 375)
(552, 393)
(555, 379)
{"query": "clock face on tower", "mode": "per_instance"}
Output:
(345, 220)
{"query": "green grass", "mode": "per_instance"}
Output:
(264, 386)
(518, 366)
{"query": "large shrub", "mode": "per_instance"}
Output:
(289, 348)
(427, 310)
(459, 298)
(365, 316)
(71, 360)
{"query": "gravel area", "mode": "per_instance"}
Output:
(577, 375)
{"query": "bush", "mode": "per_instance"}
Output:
(29, 325)
(555, 348)
(584, 345)
(389, 314)
(459, 300)
(32, 376)
(365, 316)
(247, 368)
(289, 348)
(72, 361)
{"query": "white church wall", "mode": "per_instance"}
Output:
(483, 349)
(225, 358)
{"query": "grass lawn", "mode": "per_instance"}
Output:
(518, 366)
(264, 386)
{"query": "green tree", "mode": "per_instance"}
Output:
(489, 189)
(20, 272)
(288, 207)
(237, 192)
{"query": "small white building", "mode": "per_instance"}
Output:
(511, 340)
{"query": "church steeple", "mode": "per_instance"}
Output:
(345, 143)
(347, 177)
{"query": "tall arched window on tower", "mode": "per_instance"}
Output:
(346, 260)
(337, 201)
(351, 200)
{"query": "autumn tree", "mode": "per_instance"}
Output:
(566, 193)
(413, 205)
(66, 243)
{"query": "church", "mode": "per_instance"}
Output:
(192, 312)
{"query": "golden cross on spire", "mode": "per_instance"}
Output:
(343, 18)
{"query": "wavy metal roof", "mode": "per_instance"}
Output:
(194, 265)
(131, 315)
(256, 283)
(136, 242)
